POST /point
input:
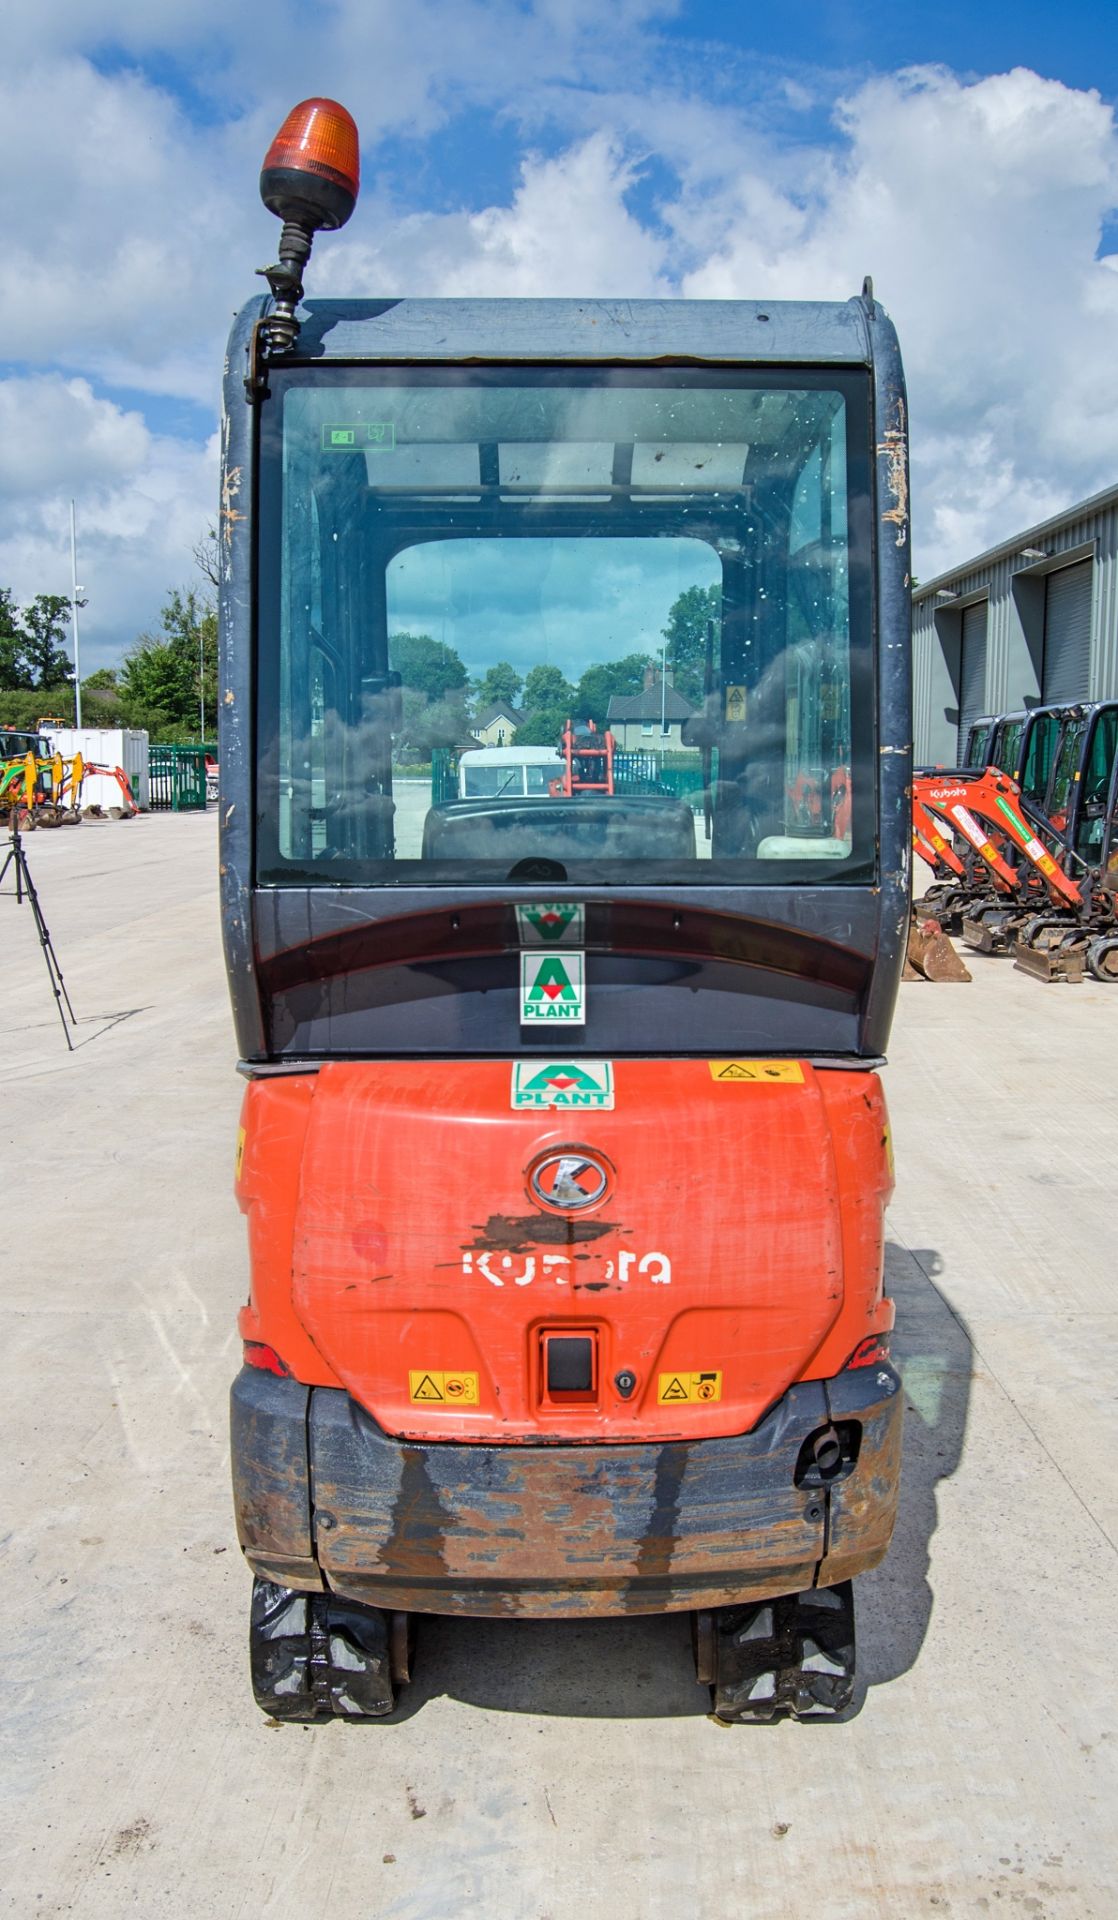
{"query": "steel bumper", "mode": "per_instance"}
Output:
(325, 1499)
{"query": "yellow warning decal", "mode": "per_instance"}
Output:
(757, 1071)
(735, 705)
(443, 1389)
(688, 1386)
(240, 1160)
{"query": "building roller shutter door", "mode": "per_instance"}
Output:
(972, 673)
(1067, 634)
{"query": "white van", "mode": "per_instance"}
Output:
(508, 773)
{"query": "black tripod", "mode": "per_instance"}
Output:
(24, 884)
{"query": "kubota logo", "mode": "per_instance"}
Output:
(568, 1180)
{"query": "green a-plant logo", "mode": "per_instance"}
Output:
(563, 1083)
(552, 988)
(551, 923)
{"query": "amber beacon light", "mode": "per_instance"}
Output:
(309, 180)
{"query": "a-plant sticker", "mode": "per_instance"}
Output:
(552, 989)
(551, 923)
(563, 1083)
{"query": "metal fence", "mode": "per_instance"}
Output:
(177, 779)
(444, 775)
(653, 772)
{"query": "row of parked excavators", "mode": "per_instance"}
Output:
(1023, 841)
(41, 788)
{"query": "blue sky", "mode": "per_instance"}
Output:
(965, 155)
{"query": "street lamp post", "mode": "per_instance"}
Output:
(75, 590)
(663, 694)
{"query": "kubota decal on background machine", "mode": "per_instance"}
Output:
(564, 1154)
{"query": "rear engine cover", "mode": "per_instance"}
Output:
(714, 1237)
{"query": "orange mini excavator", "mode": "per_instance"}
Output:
(564, 1154)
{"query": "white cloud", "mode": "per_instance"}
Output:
(566, 231)
(978, 208)
(61, 25)
(143, 500)
(55, 432)
(122, 251)
(136, 229)
(407, 68)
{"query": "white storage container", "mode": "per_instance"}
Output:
(124, 747)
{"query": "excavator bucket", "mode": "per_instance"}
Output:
(1059, 960)
(931, 955)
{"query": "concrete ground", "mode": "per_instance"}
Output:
(553, 1772)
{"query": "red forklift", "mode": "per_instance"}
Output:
(563, 1154)
(587, 761)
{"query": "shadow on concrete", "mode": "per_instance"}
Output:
(641, 1666)
(932, 1347)
(631, 1669)
(107, 1022)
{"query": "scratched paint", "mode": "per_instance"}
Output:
(893, 449)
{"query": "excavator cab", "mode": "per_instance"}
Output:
(980, 742)
(1076, 796)
(563, 1154)
(1005, 742)
(1035, 755)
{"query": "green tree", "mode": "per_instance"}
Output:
(23, 707)
(548, 702)
(164, 674)
(207, 559)
(433, 723)
(155, 688)
(546, 687)
(103, 681)
(101, 702)
(426, 666)
(499, 686)
(44, 651)
(543, 727)
(601, 683)
(686, 635)
(13, 641)
(435, 692)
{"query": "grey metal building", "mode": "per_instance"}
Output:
(1033, 621)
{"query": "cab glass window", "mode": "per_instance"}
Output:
(659, 580)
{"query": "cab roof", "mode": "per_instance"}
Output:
(721, 332)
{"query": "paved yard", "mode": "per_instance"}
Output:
(536, 1772)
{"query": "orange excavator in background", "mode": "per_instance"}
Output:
(1041, 884)
(45, 789)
